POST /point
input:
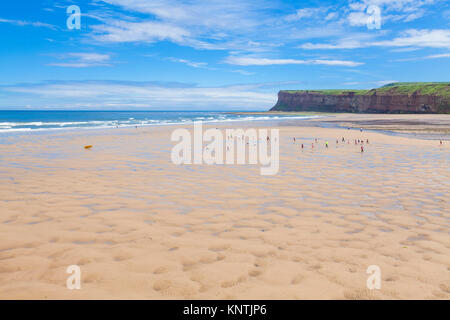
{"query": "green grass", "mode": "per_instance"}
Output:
(397, 88)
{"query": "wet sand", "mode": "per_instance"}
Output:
(141, 227)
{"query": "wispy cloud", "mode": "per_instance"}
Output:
(392, 10)
(431, 56)
(438, 56)
(233, 25)
(375, 84)
(306, 13)
(82, 60)
(27, 23)
(251, 61)
(201, 24)
(150, 31)
(109, 94)
(438, 38)
(188, 62)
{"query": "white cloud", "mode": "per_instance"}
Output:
(438, 56)
(252, 61)
(90, 57)
(305, 13)
(202, 24)
(82, 60)
(188, 62)
(345, 44)
(27, 23)
(393, 10)
(358, 19)
(331, 16)
(217, 14)
(376, 84)
(100, 94)
(235, 25)
(122, 31)
(438, 38)
(432, 56)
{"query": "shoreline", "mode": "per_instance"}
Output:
(420, 126)
(412, 125)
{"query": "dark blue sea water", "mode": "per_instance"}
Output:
(21, 121)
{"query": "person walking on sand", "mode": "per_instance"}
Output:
(362, 148)
(326, 144)
(441, 142)
(302, 146)
(294, 139)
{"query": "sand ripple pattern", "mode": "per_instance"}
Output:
(141, 227)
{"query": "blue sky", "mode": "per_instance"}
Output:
(212, 54)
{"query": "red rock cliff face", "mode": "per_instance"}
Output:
(368, 103)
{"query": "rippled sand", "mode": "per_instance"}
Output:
(141, 227)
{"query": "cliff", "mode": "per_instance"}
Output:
(393, 98)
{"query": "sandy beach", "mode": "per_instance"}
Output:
(141, 227)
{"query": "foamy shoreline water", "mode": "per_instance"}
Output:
(142, 119)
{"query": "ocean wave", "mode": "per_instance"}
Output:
(132, 122)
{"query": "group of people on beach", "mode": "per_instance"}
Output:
(357, 142)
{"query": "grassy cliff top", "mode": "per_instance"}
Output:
(397, 88)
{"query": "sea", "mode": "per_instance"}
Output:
(33, 121)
